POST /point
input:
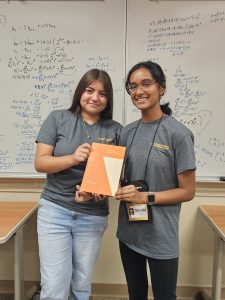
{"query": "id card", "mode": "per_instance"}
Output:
(137, 212)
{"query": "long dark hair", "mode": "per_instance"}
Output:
(85, 81)
(157, 73)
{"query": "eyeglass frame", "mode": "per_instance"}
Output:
(140, 85)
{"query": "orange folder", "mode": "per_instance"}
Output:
(103, 169)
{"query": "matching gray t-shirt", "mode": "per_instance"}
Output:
(66, 131)
(171, 154)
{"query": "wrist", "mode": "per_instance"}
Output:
(73, 160)
(150, 198)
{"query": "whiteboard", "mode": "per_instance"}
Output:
(45, 48)
(187, 39)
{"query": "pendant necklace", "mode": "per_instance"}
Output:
(88, 132)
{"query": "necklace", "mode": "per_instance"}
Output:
(88, 132)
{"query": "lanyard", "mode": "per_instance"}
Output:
(132, 141)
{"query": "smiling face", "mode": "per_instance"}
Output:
(145, 92)
(93, 101)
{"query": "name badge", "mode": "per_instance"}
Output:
(137, 212)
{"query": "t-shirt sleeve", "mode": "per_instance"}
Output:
(48, 131)
(185, 155)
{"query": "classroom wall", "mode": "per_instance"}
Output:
(196, 238)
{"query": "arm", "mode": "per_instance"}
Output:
(185, 192)
(46, 162)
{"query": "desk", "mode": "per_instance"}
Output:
(13, 216)
(215, 215)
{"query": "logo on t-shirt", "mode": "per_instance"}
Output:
(105, 140)
(160, 146)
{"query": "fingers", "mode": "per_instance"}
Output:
(82, 152)
(85, 147)
(126, 190)
(127, 193)
(99, 197)
(84, 196)
(81, 196)
(78, 198)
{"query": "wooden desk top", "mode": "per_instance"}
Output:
(13, 215)
(215, 214)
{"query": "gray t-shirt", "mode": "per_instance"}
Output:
(65, 131)
(172, 153)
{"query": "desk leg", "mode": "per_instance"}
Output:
(217, 267)
(18, 265)
(217, 272)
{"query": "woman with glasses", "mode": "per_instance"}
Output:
(70, 231)
(159, 174)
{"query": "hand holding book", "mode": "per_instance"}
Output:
(84, 196)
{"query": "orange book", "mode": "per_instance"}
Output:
(103, 169)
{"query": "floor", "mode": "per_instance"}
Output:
(37, 297)
(6, 297)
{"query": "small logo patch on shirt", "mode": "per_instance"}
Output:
(105, 140)
(160, 146)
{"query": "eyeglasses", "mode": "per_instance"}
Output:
(145, 84)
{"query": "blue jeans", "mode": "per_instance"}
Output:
(69, 244)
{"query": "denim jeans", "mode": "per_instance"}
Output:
(69, 244)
